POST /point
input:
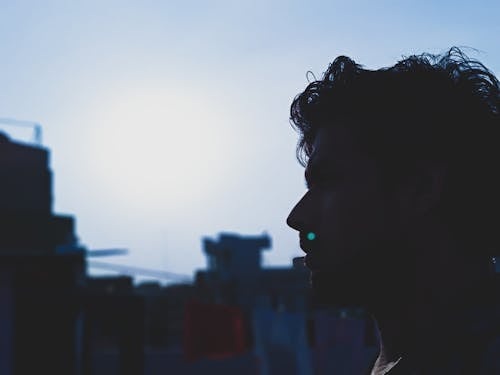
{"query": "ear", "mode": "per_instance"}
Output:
(423, 189)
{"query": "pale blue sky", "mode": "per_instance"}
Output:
(168, 120)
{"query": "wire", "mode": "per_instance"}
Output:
(132, 270)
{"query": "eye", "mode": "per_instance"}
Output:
(324, 179)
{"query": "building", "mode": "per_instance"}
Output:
(39, 281)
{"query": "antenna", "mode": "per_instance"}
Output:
(37, 128)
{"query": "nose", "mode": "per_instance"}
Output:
(296, 218)
(291, 221)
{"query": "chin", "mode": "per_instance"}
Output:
(331, 291)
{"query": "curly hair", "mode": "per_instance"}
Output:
(443, 108)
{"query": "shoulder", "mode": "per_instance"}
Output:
(380, 367)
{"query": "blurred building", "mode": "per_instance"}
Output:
(28, 225)
(39, 280)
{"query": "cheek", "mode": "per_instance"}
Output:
(352, 219)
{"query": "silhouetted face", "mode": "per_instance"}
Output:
(352, 221)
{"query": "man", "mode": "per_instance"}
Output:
(401, 216)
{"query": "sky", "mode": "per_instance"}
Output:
(168, 121)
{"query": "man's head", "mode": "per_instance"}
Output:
(391, 153)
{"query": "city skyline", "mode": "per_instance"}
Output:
(169, 122)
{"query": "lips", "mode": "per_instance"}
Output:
(311, 260)
(303, 247)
